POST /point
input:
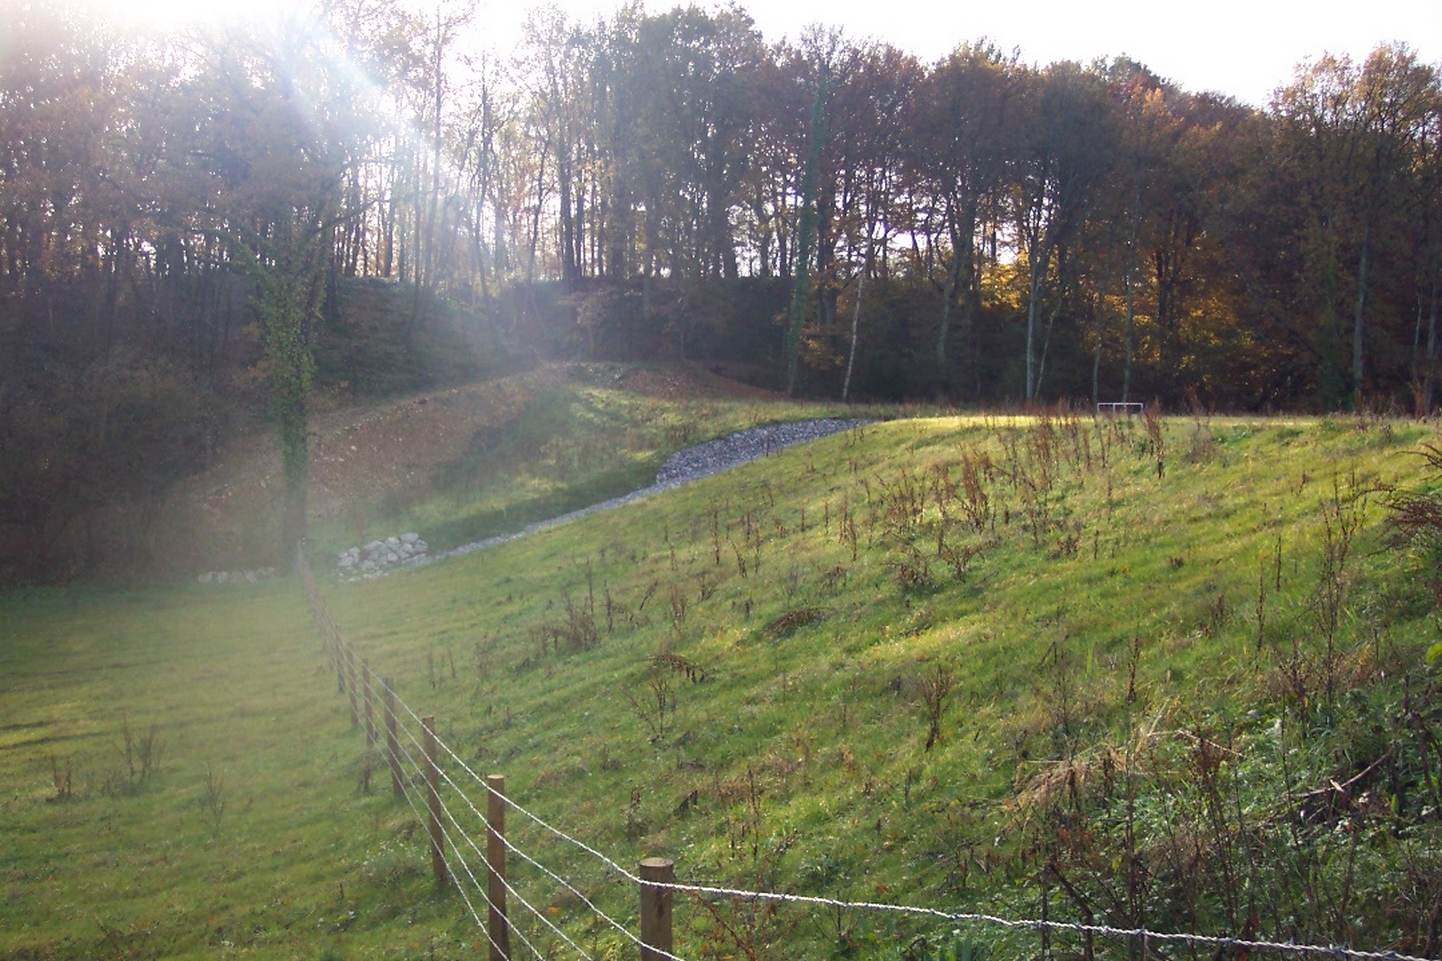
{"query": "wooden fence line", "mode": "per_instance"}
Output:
(656, 902)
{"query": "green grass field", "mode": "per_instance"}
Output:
(1143, 672)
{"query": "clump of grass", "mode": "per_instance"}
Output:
(212, 798)
(936, 687)
(652, 700)
(575, 630)
(140, 755)
(792, 621)
(62, 775)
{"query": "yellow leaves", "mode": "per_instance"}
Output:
(1003, 285)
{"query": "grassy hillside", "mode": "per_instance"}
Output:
(1161, 672)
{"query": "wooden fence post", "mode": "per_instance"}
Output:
(370, 710)
(656, 908)
(499, 928)
(433, 799)
(337, 656)
(393, 751)
(351, 685)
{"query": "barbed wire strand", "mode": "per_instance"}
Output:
(553, 830)
(461, 888)
(512, 848)
(348, 657)
(409, 787)
(1285, 947)
(485, 895)
(424, 819)
(475, 915)
(470, 842)
(618, 926)
(625, 932)
(1216, 941)
(540, 915)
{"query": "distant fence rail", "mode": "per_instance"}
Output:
(438, 786)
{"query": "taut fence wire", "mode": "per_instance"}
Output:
(453, 842)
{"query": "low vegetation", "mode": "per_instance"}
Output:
(1161, 672)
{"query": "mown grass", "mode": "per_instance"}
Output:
(243, 831)
(838, 671)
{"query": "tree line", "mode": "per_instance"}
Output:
(828, 216)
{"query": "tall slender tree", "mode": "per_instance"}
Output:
(1065, 151)
(965, 139)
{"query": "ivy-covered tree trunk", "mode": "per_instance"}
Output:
(288, 291)
(291, 365)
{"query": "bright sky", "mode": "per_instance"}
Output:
(1245, 48)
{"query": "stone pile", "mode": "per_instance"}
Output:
(377, 556)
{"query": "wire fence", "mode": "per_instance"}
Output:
(441, 790)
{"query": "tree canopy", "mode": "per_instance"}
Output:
(177, 213)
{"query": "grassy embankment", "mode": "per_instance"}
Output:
(552, 441)
(1176, 679)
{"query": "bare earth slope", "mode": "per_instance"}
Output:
(226, 517)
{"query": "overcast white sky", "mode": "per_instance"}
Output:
(1245, 48)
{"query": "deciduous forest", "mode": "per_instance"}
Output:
(196, 228)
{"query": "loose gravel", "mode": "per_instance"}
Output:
(717, 455)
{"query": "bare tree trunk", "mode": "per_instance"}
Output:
(1045, 347)
(1358, 316)
(856, 321)
(1033, 295)
(961, 277)
(1431, 350)
(388, 229)
(1130, 323)
(1424, 359)
(569, 243)
(1061, 269)
(536, 231)
(1096, 351)
(948, 294)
